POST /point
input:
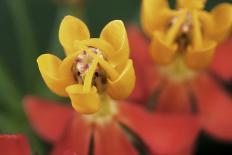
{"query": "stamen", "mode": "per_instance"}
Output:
(82, 65)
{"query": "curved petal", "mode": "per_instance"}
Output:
(115, 33)
(147, 77)
(164, 134)
(72, 29)
(84, 102)
(218, 23)
(155, 15)
(49, 119)
(215, 105)
(114, 140)
(14, 145)
(76, 138)
(49, 68)
(222, 64)
(124, 84)
(161, 51)
(174, 98)
(200, 58)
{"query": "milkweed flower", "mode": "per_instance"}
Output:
(188, 31)
(94, 68)
(14, 145)
(178, 91)
(105, 133)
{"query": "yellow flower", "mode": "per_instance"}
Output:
(93, 67)
(188, 31)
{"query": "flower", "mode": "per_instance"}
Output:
(103, 133)
(177, 91)
(188, 32)
(93, 69)
(14, 145)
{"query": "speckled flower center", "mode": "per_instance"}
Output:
(81, 66)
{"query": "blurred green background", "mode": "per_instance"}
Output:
(29, 28)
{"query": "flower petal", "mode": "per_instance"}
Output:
(114, 140)
(174, 98)
(48, 118)
(76, 138)
(155, 14)
(161, 51)
(84, 102)
(72, 29)
(217, 24)
(164, 134)
(222, 64)
(14, 145)
(215, 105)
(190, 4)
(124, 84)
(49, 69)
(147, 77)
(115, 33)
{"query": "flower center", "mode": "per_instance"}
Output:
(177, 71)
(106, 113)
(81, 66)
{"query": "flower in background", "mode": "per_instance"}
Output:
(14, 145)
(188, 31)
(188, 77)
(103, 133)
(94, 68)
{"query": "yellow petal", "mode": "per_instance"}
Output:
(218, 24)
(72, 29)
(124, 84)
(65, 69)
(191, 4)
(161, 51)
(200, 58)
(49, 69)
(155, 15)
(115, 34)
(84, 102)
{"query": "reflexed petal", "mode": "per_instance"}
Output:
(109, 139)
(49, 69)
(174, 98)
(215, 106)
(84, 102)
(14, 145)
(222, 64)
(155, 14)
(76, 138)
(115, 34)
(72, 29)
(124, 84)
(49, 119)
(218, 24)
(200, 58)
(161, 52)
(147, 77)
(164, 134)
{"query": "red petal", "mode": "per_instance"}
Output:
(216, 108)
(48, 118)
(164, 134)
(76, 138)
(14, 145)
(109, 139)
(222, 63)
(174, 98)
(147, 78)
